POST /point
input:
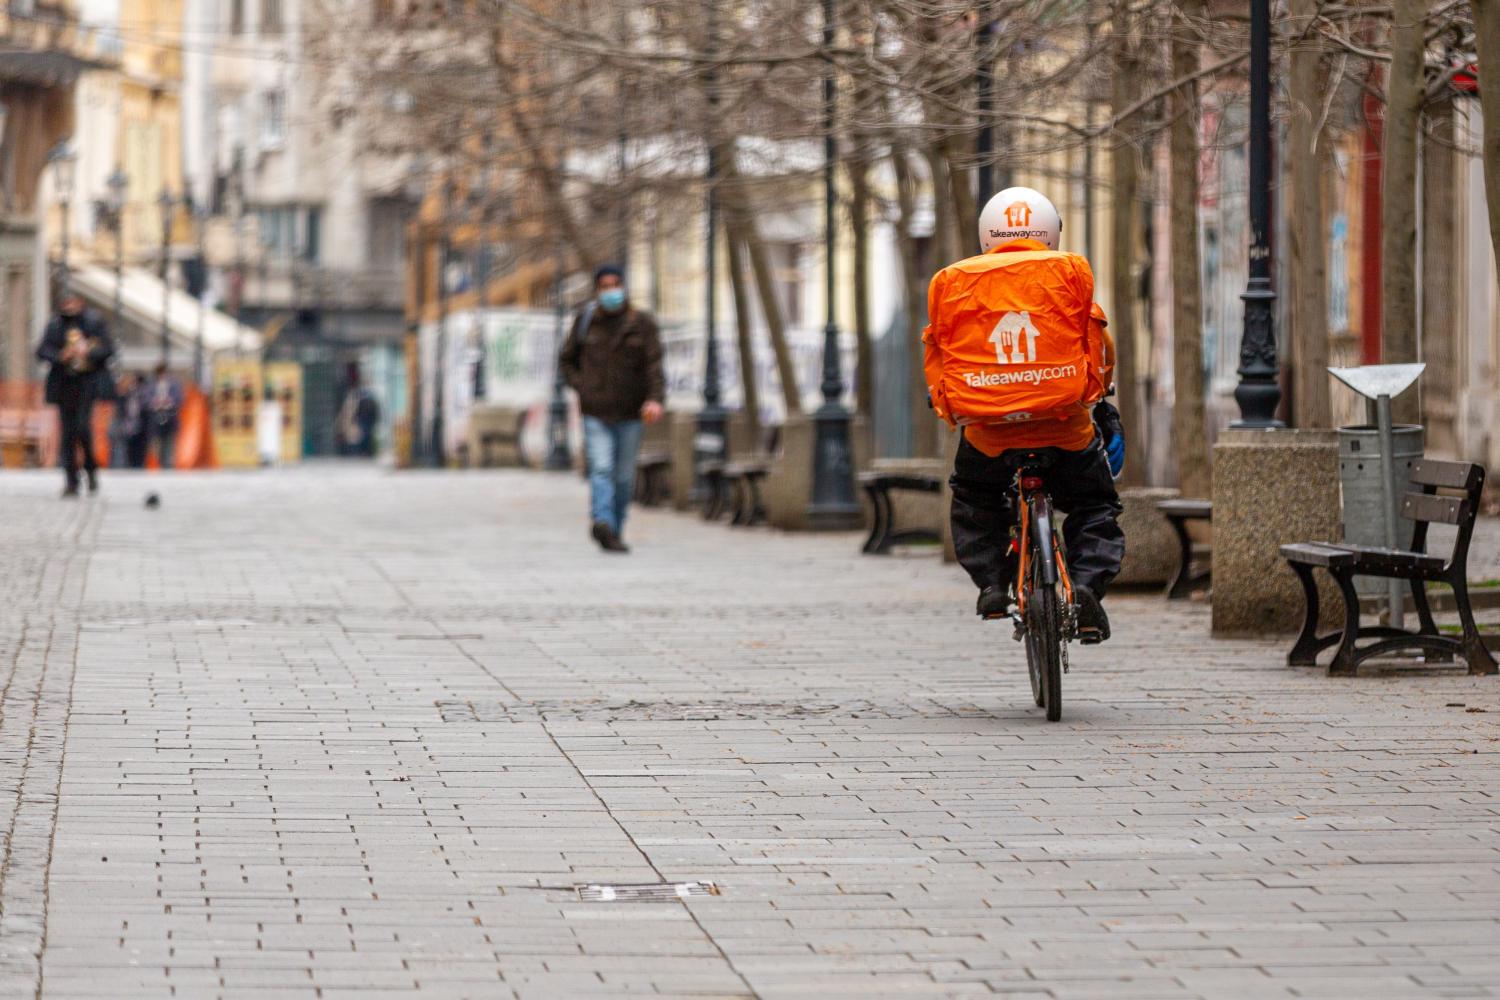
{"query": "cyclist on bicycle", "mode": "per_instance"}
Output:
(1017, 355)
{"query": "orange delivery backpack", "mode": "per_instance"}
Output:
(1010, 338)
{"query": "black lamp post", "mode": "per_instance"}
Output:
(984, 87)
(198, 211)
(115, 210)
(1259, 392)
(711, 440)
(168, 205)
(833, 504)
(558, 456)
(480, 215)
(439, 451)
(63, 161)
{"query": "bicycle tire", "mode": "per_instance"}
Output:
(1034, 653)
(1043, 641)
(1049, 643)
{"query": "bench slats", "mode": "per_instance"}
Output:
(1317, 554)
(1446, 475)
(1399, 561)
(1440, 510)
(899, 481)
(1193, 510)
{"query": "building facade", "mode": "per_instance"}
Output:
(305, 222)
(42, 55)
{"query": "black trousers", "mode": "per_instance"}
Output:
(75, 410)
(1080, 486)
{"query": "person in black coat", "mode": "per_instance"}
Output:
(77, 345)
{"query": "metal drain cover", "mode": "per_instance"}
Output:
(658, 892)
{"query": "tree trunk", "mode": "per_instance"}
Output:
(1487, 35)
(1189, 435)
(1398, 194)
(736, 204)
(923, 432)
(1123, 236)
(1309, 260)
(1438, 388)
(864, 375)
(744, 333)
(965, 212)
(942, 208)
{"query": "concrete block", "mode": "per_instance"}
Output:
(788, 485)
(1151, 550)
(1271, 487)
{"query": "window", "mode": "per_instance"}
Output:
(277, 230)
(787, 262)
(270, 17)
(388, 219)
(312, 234)
(273, 119)
(236, 17)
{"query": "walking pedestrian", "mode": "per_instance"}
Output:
(164, 409)
(612, 359)
(77, 345)
(124, 422)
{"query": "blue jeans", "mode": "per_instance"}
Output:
(611, 449)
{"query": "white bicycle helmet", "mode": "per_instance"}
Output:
(1019, 213)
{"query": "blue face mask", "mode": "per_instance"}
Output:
(612, 299)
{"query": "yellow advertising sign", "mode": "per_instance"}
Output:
(236, 397)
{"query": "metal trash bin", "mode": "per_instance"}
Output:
(1360, 488)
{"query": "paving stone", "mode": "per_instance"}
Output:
(339, 732)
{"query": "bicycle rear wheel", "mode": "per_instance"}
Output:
(1044, 639)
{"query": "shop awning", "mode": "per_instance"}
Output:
(141, 305)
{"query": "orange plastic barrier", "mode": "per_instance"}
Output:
(195, 441)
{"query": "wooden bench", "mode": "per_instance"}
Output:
(878, 485)
(743, 481)
(1178, 513)
(498, 434)
(21, 438)
(653, 477)
(734, 486)
(1413, 564)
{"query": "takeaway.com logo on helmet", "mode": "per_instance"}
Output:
(1019, 213)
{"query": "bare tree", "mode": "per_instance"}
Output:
(1189, 433)
(744, 335)
(1124, 240)
(1487, 40)
(1309, 250)
(1398, 191)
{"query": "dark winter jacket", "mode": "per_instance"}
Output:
(95, 379)
(615, 365)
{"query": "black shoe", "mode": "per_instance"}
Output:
(93, 481)
(607, 539)
(1093, 623)
(994, 602)
(70, 491)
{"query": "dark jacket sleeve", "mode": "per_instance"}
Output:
(50, 349)
(103, 344)
(656, 377)
(571, 358)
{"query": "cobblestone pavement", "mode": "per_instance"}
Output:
(343, 733)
